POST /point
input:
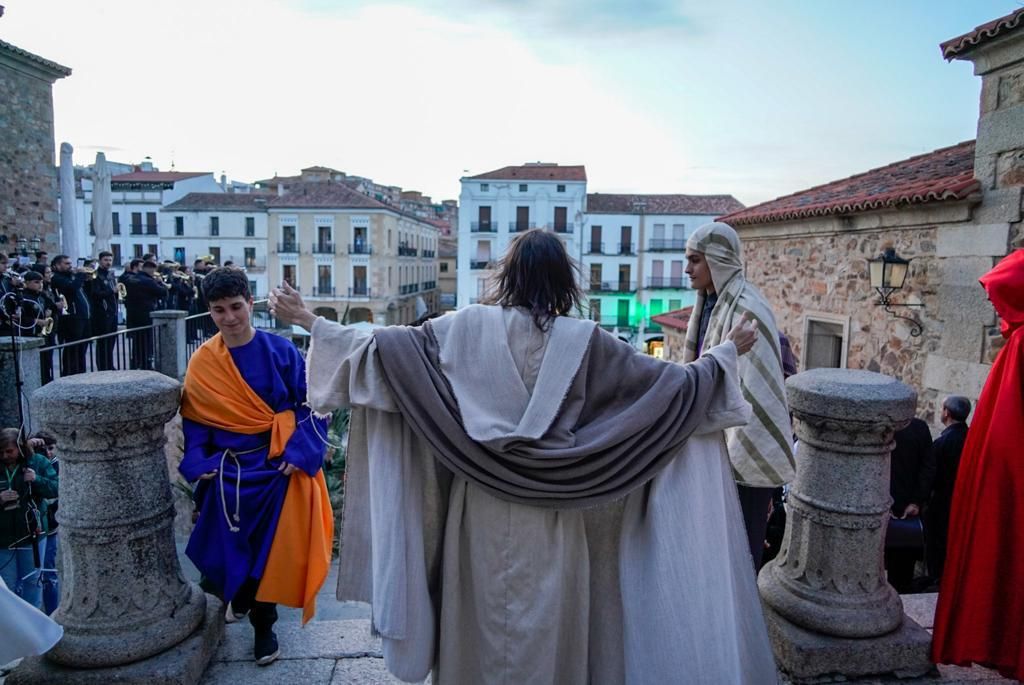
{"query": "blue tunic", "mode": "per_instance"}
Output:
(275, 370)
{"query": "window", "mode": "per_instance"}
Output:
(150, 223)
(595, 276)
(657, 307)
(179, 255)
(324, 279)
(484, 187)
(250, 257)
(179, 226)
(137, 251)
(115, 249)
(444, 267)
(250, 227)
(522, 218)
(215, 253)
(136, 223)
(115, 221)
(359, 285)
(826, 338)
(595, 310)
(288, 274)
(92, 227)
(252, 288)
(674, 305)
(561, 220)
(153, 250)
(214, 225)
(523, 187)
(560, 188)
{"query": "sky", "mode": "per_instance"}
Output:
(756, 99)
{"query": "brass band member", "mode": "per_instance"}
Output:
(145, 293)
(103, 301)
(74, 325)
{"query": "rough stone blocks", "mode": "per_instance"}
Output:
(967, 240)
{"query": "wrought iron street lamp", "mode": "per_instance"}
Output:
(888, 273)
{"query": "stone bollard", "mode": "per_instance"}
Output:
(829, 608)
(26, 354)
(171, 345)
(129, 615)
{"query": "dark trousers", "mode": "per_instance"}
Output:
(936, 532)
(104, 322)
(72, 357)
(754, 503)
(899, 568)
(262, 615)
(141, 341)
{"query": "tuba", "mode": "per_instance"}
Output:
(47, 326)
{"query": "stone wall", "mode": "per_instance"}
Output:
(819, 269)
(28, 177)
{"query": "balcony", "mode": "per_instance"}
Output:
(406, 251)
(480, 264)
(288, 248)
(613, 286)
(429, 285)
(359, 291)
(136, 229)
(626, 248)
(429, 254)
(483, 227)
(409, 289)
(360, 248)
(666, 245)
(668, 282)
(323, 248)
(620, 322)
(255, 264)
(561, 228)
(520, 226)
(595, 248)
(322, 292)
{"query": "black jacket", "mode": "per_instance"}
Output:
(72, 287)
(145, 294)
(907, 477)
(943, 463)
(102, 292)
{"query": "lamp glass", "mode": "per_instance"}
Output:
(897, 274)
(875, 272)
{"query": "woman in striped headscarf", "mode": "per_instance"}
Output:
(761, 452)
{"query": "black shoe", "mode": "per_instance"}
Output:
(266, 648)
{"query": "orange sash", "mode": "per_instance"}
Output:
(216, 395)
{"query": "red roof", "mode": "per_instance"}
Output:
(677, 318)
(156, 176)
(324, 194)
(537, 171)
(960, 45)
(224, 202)
(946, 174)
(712, 205)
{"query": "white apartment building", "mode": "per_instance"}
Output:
(230, 227)
(634, 256)
(495, 206)
(137, 198)
(631, 248)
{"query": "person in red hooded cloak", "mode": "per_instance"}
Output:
(980, 612)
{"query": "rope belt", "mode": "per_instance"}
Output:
(229, 453)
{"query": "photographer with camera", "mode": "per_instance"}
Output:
(26, 481)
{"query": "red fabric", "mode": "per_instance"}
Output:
(980, 613)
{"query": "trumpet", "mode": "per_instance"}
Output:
(63, 302)
(47, 326)
(122, 291)
(90, 272)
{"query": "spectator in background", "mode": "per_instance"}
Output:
(940, 478)
(45, 444)
(909, 489)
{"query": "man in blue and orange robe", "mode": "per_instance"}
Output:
(264, 532)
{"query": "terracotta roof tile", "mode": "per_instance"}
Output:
(677, 318)
(224, 202)
(535, 172)
(611, 203)
(960, 45)
(324, 194)
(946, 174)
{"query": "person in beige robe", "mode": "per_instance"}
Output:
(536, 502)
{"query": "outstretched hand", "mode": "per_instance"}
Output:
(287, 306)
(744, 334)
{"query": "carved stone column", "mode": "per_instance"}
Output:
(123, 596)
(830, 610)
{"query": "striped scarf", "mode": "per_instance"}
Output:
(762, 451)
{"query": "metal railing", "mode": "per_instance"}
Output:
(480, 264)
(520, 226)
(322, 292)
(561, 228)
(667, 282)
(430, 254)
(613, 286)
(429, 285)
(662, 244)
(128, 348)
(406, 251)
(595, 248)
(360, 248)
(626, 248)
(359, 291)
(288, 248)
(483, 227)
(323, 248)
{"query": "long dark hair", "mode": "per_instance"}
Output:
(538, 274)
